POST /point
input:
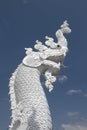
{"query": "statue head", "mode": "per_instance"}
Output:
(49, 54)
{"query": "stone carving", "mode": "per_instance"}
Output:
(29, 106)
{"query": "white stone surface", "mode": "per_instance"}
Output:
(30, 110)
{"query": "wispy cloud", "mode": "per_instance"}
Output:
(85, 95)
(73, 114)
(76, 92)
(79, 124)
(72, 92)
(74, 127)
(26, 1)
(62, 78)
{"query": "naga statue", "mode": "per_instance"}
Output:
(29, 106)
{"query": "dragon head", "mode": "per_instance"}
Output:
(51, 54)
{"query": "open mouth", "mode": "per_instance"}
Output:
(56, 59)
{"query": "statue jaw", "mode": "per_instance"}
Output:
(53, 58)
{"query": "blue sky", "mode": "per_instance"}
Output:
(24, 21)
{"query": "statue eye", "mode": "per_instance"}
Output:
(58, 46)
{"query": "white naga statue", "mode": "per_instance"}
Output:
(29, 106)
